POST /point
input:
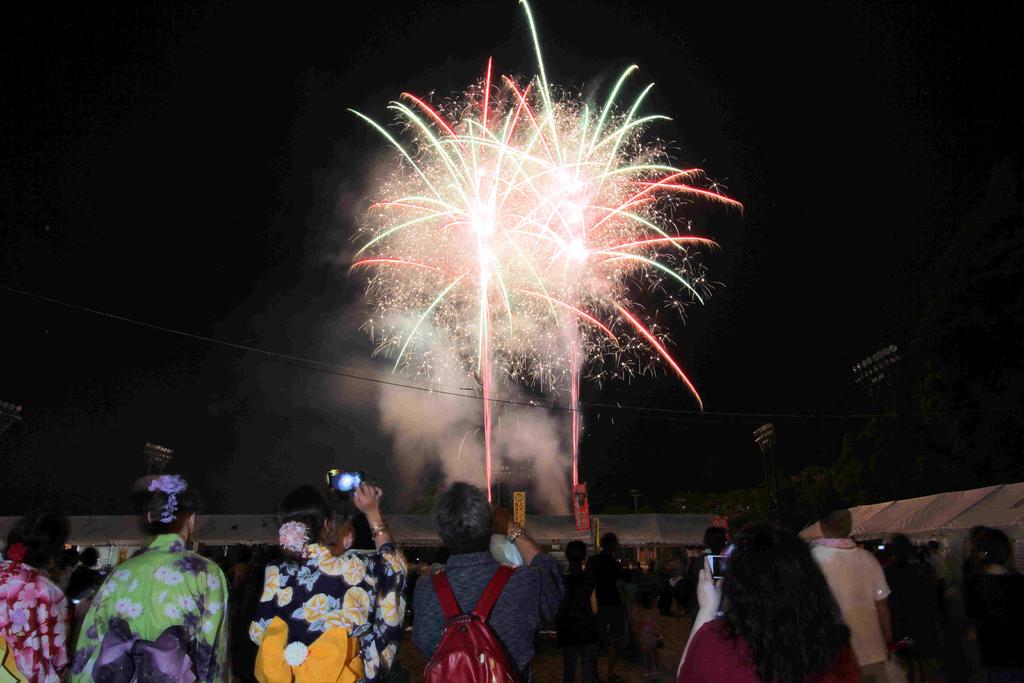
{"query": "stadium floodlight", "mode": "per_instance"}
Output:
(876, 368)
(157, 457)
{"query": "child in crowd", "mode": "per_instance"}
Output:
(644, 621)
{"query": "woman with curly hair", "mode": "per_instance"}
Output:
(159, 616)
(328, 613)
(778, 621)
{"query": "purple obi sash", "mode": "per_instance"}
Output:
(125, 658)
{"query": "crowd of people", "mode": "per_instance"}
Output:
(329, 602)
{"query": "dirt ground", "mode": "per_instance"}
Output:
(547, 665)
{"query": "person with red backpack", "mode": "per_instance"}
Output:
(477, 619)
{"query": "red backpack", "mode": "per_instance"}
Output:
(469, 651)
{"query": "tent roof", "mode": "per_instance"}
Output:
(1004, 508)
(996, 506)
(411, 530)
(925, 514)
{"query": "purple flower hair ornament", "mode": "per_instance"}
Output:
(172, 485)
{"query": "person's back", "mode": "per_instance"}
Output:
(85, 576)
(163, 587)
(328, 612)
(33, 610)
(607, 574)
(719, 658)
(915, 611)
(858, 584)
(770, 618)
(576, 622)
(165, 607)
(533, 592)
(995, 602)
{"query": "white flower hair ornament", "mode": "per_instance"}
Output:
(293, 536)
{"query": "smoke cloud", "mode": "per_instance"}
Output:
(437, 432)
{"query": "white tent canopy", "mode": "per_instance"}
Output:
(411, 530)
(940, 514)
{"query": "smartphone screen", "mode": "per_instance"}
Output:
(344, 480)
(717, 564)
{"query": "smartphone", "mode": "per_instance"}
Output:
(718, 565)
(344, 481)
(881, 546)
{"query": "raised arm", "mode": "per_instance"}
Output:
(382, 640)
(367, 500)
(551, 589)
(709, 596)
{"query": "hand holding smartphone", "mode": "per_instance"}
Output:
(717, 565)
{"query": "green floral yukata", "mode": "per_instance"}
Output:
(164, 586)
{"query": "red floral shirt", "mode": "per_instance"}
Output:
(33, 621)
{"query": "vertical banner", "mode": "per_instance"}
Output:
(581, 507)
(519, 508)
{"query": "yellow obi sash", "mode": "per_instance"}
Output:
(8, 668)
(332, 658)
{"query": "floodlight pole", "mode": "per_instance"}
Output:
(764, 437)
(879, 367)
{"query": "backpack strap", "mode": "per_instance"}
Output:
(443, 589)
(492, 591)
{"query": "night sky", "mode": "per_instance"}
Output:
(195, 168)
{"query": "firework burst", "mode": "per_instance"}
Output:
(520, 228)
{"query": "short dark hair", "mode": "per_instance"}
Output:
(772, 579)
(609, 542)
(89, 557)
(43, 534)
(151, 504)
(464, 519)
(715, 538)
(575, 553)
(837, 524)
(994, 548)
(901, 547)
(68, 558)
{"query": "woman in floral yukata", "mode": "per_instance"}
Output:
(33, 611)
(325, 617)
(160, 616)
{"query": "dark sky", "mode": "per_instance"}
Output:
(196, 168)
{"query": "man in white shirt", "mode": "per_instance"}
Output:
(858, 584)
